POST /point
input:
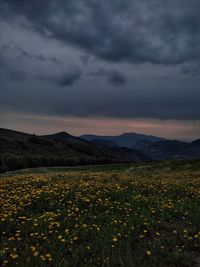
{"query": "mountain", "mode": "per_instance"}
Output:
(124, 140)
(11, 134)
(152, 147)
(107, 143)
(170, 149)
(109, 149)
(65, 137)
(22, 150)
(196, 142)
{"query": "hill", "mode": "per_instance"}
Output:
(22, 150)
(170, 149)
(124, 140)
(65, 137)
(153, 147)
(104, 142)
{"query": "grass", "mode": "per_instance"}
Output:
(86, 168)
(133, 215)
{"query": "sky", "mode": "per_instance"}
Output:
(102, 67)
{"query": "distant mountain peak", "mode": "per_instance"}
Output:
(128, 140)
(61, 133)
(64, 136)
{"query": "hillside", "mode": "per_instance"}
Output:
(65, 137)
(170, 149)
(124, 140)
(21, 150)
(153, 147)
(104, 142)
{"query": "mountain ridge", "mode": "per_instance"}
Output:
(21, 150)
(125, 139)
(24, 150)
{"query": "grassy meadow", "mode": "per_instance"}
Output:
(125, 215)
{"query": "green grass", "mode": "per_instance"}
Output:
(121, 215)
(87, 168)
(134, 167)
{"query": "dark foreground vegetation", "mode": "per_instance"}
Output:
(139, 215)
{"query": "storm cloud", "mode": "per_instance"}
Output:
(135, 31)
(69, 78)
(111, 59)
(114, 77)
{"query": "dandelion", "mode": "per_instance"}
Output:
(14, 256)
(35, 254)
(148, 253)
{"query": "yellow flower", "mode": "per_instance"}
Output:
(15, 256)
(35, 254)
(114, 239)
(148, 252)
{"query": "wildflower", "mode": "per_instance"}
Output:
(35, 254)
(14, 256)
(148, 252)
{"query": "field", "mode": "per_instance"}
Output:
(146, 215)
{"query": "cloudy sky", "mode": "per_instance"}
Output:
(104, 67)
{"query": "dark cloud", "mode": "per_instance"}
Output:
(9, 72)
(84, 59)
(129, 30)
(114, 77)
(17, 75)
(117, 78)
(69, 78)
(32, 56)
(192, 70)
(52, 48)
